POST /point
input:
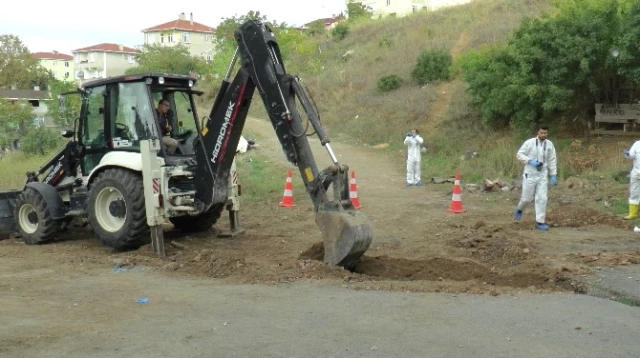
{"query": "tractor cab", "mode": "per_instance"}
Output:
(118, 112)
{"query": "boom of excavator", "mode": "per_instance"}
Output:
(105, 181)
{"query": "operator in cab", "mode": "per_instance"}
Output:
(164, 122)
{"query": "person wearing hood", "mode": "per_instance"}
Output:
(413, 141)
(634, 180)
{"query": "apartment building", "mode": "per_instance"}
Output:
(102, 61)
(198, 38)
(60, 64)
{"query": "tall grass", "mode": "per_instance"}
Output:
(15, 165)
(345, 90)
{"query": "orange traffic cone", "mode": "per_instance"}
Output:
(353, 192)
(287, 198)
(456, 197)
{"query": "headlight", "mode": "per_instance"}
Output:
(161, 80)
(190, 83)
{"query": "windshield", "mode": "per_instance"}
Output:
(131, 115)
(183, 116)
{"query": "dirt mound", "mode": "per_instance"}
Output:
(439, 269)
(576, 216)
(495, 245)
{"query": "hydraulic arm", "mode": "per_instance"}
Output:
(347, 233)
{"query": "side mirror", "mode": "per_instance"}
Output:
(62, 104)
(67, 133)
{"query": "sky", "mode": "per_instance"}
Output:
(70, 24)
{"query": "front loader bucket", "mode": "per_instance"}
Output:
(7, 222)
(347, 234)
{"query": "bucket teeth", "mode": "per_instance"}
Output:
(346, 234)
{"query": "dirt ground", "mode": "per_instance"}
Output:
(418, 245)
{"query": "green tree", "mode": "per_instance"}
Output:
(628, 46)
(18, 67)
(293, 44)
(357, 10)
(40, 140)
(71, 110)
(225, 30)
(16, 119)
(340, 31)
(169, 59)
(316, 28)
(553, 63)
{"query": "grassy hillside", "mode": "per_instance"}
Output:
(347, 88)
(344, 88)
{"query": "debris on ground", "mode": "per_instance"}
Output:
(498, 185)
(436, 180)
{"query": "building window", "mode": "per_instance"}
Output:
(170, 37)
(209, 57)
(207, 38)
(161, 38)
(92, 57)
(66, 63)
(151, 38)
(131, 59)
(66, 75)
(185, 37)
(388, 2)
(414, 8)
(55, 63)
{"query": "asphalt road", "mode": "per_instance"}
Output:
(97, 316)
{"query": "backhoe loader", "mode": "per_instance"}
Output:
(100, 174)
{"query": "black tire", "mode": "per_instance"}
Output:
(116, 209)
(200, 223)
(33, 218)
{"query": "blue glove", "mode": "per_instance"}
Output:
(554, 180)
(534, 162)
(626, 153)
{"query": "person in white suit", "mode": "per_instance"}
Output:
(634, 180)
(539, 157)
(413, 141)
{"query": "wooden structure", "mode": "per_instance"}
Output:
(617, 119)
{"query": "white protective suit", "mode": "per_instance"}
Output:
(634, 181)
(413, 144)
(534, 182)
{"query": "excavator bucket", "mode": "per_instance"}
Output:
(7, 222)
(347, 234)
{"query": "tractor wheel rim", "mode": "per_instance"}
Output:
(106, 219)
(23, 219)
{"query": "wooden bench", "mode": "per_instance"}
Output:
(617, 119)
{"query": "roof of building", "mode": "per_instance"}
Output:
(327, 20)
(24, 94)
(54, 55)
(181, 24)
(107, 47)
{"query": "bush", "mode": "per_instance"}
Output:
(340, 31)
(40, 140)
(432, 66)
(389, 83)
